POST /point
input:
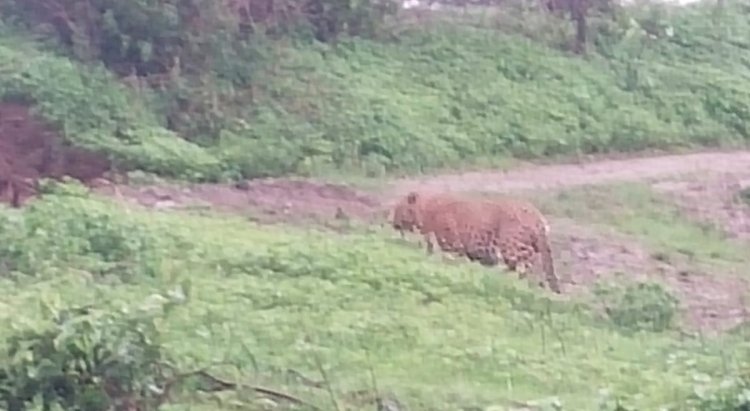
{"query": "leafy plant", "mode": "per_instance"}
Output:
(733, 394)
(68, 229)
(269, 298)
(641, 306)
(253, 103)
(90, 359)
(93, 111)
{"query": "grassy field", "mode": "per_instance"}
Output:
(360, 311)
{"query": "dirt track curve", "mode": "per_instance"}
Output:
(535, 177)
(703, 184)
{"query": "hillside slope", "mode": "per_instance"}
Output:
(437, 92)
(442, 92)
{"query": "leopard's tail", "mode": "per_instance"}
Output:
(545, 251)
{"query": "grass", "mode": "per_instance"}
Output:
(635, 209)
(272, 298)
(359, 307)
(745, 196)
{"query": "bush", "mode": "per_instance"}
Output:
(145, 37)
(732, 395)
(641, 306)
(446, 93)
(68, 230)
(88, 359)
(140, 37)
(270, 299)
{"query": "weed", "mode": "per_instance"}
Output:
(640, 306)
(94, 111)
(89, 359)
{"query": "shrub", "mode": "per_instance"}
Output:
(95, 112)
(640, 306)
(69, 230)
(446, 93)
(732, 395)
(450, 91)
(142, 37)
(88, 359)
(145, 37)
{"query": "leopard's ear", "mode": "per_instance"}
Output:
(412, 198)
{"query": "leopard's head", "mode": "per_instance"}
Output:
(406, 214)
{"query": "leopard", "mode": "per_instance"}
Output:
(486, 231)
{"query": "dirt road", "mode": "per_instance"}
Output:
(703, 184)
(535, 177)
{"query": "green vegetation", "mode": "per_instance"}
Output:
(640, 306)
(94, 111)
(447, 91)
(260, 300)
(107, 307)
(745, 195)
(634, 209)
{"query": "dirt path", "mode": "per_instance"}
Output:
(703, 184)
(535, 177)
(283, 196)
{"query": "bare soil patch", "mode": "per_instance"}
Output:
(713, 198)
(535, 177)
(30, 149)
(266, 200)
(711, 302)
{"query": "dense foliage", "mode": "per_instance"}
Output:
(271, 98)
(88, 359)
(94, 111)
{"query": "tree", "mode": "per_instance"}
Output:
(578, 10)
